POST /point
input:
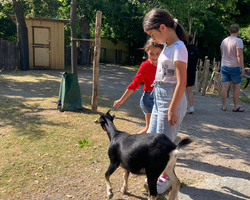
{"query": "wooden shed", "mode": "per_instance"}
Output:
(46, 42)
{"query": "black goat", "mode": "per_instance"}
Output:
(148, 153)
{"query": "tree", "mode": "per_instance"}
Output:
(22, 34)
(7, 27)
(207, 20)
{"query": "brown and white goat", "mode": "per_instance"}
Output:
(148, 153)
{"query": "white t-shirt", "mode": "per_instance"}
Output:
(229, 52)
(166, 69)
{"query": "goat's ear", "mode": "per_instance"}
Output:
(109, 111)
(112, 115)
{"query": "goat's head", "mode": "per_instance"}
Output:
(103, 119)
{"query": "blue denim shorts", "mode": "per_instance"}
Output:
(231, 74)
(147, 102)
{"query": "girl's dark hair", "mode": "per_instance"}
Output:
(190, 39)
(156, 17)
(150, 43)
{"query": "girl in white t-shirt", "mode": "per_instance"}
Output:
(170, 81)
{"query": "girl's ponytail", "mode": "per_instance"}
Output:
(181, 33)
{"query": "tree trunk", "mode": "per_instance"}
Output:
(85, 45)
(73, 16)
(22, 35)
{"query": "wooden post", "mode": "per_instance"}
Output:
(196, 82)
(201, 63)
(245, 94)
(198, 69)
(203, 73)
(206, 74)
(212, 77)
(210, 82)
(96, 61)
(217, 78)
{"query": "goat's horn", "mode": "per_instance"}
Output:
(108, 111)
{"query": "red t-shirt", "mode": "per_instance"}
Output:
(146, 74)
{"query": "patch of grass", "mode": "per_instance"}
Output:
(185, 182)
(39, 143)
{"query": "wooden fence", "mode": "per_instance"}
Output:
(9, 55)
(203, 82)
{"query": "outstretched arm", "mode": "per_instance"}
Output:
(120, 101)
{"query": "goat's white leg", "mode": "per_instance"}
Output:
(109, 188)
(172, 176)
(152, 197)
(124, 188)
(112, 167)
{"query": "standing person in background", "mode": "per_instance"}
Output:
(232, 67)
(146, 74)
(193, 55)
(170, 81)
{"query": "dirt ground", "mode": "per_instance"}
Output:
(220, 148)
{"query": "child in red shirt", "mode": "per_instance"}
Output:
(145, 74)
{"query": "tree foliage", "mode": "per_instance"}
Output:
(207, 20)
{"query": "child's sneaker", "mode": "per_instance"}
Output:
(190, 110)
(163, 184)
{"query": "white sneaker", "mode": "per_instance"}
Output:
(190, 110)
(163, 184)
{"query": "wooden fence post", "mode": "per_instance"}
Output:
(96, 61)
(203, 73)
(206, 74)
(197, 74)
(210, 82)
(196, 82)
(201, 63)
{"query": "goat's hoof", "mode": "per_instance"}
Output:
(152, 197)
(110, 195)
(123, 190)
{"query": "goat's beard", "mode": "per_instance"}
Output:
(103, 127)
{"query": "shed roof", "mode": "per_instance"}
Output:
(65, 21)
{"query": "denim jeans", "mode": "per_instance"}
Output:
(147, 102)
(163, 94)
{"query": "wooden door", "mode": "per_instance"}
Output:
(41, 47)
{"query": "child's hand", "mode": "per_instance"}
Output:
(172, 118)
(117, 103)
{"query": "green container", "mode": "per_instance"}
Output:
(69, 94)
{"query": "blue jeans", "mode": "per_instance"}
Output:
(163, 94)
(147, 102)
